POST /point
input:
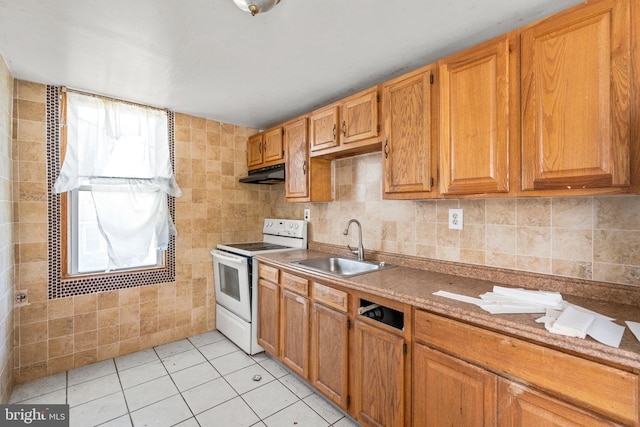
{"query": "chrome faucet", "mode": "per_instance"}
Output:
(360, 251)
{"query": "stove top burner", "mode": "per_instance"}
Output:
(256, 246)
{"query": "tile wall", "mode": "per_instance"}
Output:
(7, 263)
(594, 238)
(55, 335)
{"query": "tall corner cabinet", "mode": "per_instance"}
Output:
(576, 70)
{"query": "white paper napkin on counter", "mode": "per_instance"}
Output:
(635, 328)
(576, 321)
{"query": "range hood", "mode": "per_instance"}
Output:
(268, 175)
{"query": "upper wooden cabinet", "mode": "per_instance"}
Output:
(300, 184)
(347, 127)
(478, 117)
(407, 154)
(265, 148)
(575, 99)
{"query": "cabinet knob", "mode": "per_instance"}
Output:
(386, 148)
(304, 167)
(334, 131)
(344, 128)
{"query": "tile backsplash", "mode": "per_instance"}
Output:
(593, 238)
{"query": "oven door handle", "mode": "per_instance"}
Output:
(229, 257)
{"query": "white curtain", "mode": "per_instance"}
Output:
(121, 153)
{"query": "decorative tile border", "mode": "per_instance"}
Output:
(59, 288)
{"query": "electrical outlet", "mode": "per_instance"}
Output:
(307, 214)
(455, 219)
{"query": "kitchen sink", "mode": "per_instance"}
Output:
(341, 267)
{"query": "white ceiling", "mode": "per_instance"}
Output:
(210, 59)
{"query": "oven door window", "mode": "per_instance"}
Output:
(231, 280)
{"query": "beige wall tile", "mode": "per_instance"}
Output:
(500, 211)
(573, 244)
(33, 353)
(534, 241)
(85, 304)
(617, 273)
(61, 346)
(572, 212)
(85, 322)
(30, 91)
(500, 239)
(534, 264)
(570, 268)
(60, 364)
(617, 213)
(33, 332)
(617, 246)
(533, 212)
(60, 307)
(60, 327)
(108, 300)
(108, 317)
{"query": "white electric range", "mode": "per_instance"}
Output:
(236, 279)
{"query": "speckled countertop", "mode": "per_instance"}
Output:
(415, 286)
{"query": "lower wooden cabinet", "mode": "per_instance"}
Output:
(399, 366)
(521, 406)
(559, 385)
(294, 347)
(379, 388)
(269, 316)
(330, 353)
(450, 392)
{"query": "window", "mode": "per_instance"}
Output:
(115, 179)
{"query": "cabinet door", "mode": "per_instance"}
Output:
(475, 119)
(330, 353)
(379, 377)
(575, 99)
(520, 406)
(297, 153)
(295, 333)
(406, 151)
(360, 117)
(323, 129)
(269, 316)
(254, 151)
(272, 146)
(450, 392)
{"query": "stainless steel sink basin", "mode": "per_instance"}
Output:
(341, 267)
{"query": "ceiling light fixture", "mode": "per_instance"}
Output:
(256, 6)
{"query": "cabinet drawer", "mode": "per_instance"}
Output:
(268, 273)
(331, 297)
(604, 389)
(295, 284)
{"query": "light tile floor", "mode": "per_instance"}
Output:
(200, 381)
